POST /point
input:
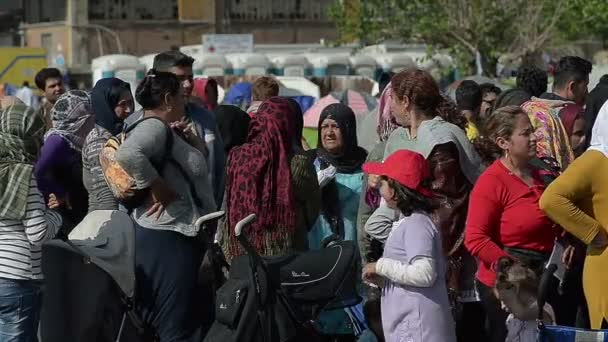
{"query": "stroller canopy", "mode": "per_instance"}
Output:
(107, 237)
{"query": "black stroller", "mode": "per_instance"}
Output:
(276, 299)
(90, 282)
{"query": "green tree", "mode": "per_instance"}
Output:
(474, 30)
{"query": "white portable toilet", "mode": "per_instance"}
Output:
(249, 63)
(206, 64)
(148, 61)
(290, 65)
(394, 62)
(364, 65)
(329, 64)
(125, 67)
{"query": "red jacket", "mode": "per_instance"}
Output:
(504, 212)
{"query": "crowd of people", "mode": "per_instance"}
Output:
(456, 207)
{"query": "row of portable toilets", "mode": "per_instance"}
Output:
(133, 69)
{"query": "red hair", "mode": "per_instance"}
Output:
(423, 92)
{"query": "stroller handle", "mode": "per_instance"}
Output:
(209, 217)
(543, 288)
(238, 229)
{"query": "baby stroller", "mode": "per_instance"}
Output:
(90, 282)
(556, 333)
(276, 299)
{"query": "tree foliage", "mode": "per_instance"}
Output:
(489, 28)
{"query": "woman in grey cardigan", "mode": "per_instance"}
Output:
(171, 164)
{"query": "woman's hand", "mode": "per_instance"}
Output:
(186, 131)
(568, 255)
(56, 202)
(600, 240)
(161, 196)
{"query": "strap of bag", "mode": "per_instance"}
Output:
(167, 157)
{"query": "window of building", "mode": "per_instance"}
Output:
(135, 10)
(287, 10)
(42, 11)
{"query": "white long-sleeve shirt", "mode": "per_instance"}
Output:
(21, 241)
(422, 272)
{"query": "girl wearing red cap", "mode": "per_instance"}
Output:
(415, 305)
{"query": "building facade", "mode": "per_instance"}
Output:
(75, 31)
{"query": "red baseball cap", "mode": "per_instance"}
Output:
(408, 168)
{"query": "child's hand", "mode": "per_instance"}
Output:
(370, 276)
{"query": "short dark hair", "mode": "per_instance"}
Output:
(468, 96)
(152, 89)
(264, 88)
(168, 59)
(26, 83)
(44, 75)
(489, 88)
(571, 68)
(532, 79)
(408, 201)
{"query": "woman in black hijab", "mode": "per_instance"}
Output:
(233, 124)
(338, 160)
(112, 103)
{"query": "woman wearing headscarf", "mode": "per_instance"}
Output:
(59, 168)
(233, 125)
(25, 223)
(205, 89)
(261, 181)
(112, 103)
(578, 201)
(573, 119)
(553, 143)
(370, 200)
(338, 160)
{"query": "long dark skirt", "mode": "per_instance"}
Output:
(167, 266)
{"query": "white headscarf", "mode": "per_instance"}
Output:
(599, 134)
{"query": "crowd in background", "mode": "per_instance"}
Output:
(456, 208)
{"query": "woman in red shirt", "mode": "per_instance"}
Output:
(504, 219)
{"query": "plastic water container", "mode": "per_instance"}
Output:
(249, 64)
(329, 64)
(364, 65)
(290, 65)
(206, 64)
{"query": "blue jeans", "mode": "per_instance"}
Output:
(20, 302)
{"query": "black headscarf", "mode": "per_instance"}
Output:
(352, 157)
(104, 98)
(349, 161)
(299, 123)
(233, 124)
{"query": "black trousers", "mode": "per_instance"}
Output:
(167, 265)
(470, 325)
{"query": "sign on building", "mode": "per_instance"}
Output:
(227, 43)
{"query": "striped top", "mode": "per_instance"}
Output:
(21, 241)
(100, 195)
